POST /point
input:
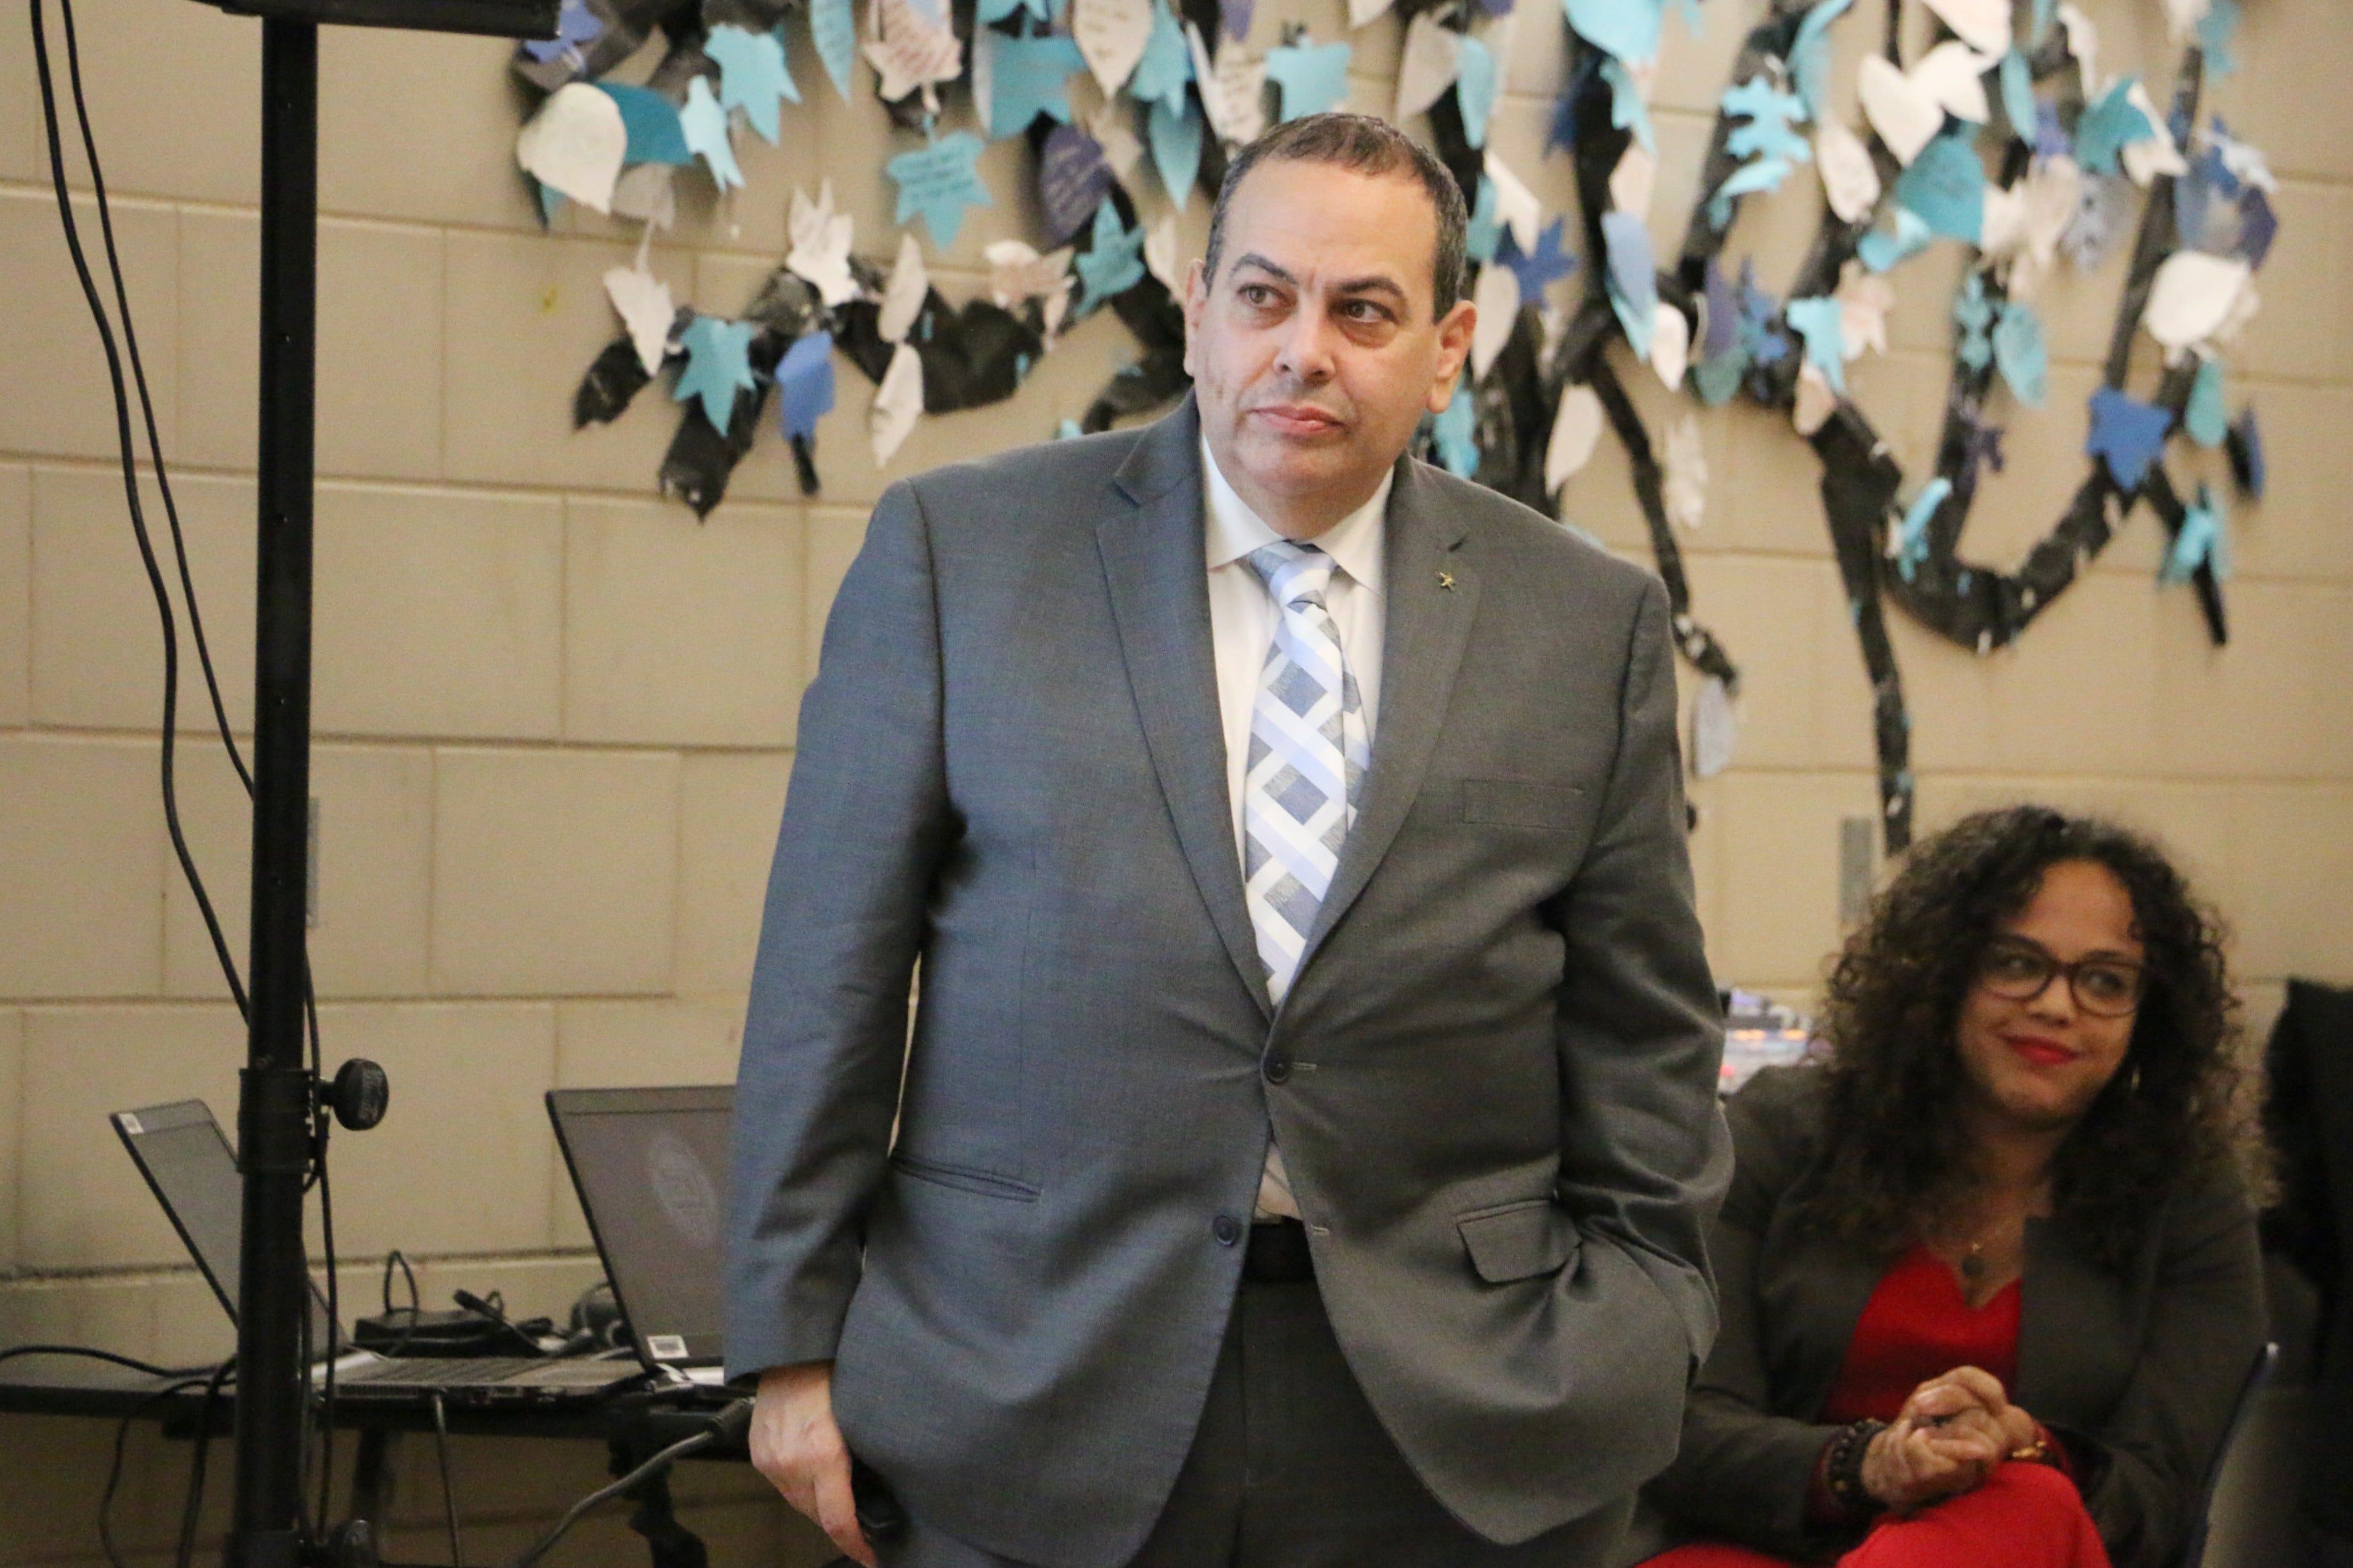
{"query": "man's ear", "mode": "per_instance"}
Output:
(1197, 300)
(1454, 330)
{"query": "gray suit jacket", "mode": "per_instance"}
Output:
(2136, 1371)
(1493, 1078)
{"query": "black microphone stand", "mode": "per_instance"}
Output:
(279, 1097)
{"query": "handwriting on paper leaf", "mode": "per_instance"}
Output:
(940, 182)
(1113, 36)
(835, 32)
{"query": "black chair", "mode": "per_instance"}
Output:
(2193, 1551)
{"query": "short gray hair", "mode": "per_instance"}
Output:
(1363, 145)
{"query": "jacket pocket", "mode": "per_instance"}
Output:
(1519, 1240)
(1514, 803)
(987, 1183)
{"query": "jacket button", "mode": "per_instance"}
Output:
(1278, 1069)
(1226, 1229)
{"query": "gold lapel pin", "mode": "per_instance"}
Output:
(1446, 581)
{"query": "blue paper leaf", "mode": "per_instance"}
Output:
(1945, 187)
(1072, 177)
(1236, 16)
(988, 11)
(1027, 77)
(1562, 132)
(1626, 28)
(1456, 431)
(835, 32)
(1633, 278)
(1175, 137)
(805, 383)
(1313, 77)
(2018, 96)
(2019, 350)
(576, 26)
(704, 125)
(1549, 263)
(1911, 540)
(2258, 226)
(1475, 86)
(2109, 126)
(1973, 315)
(1810, 55)
(751, 76)
(2206, 418)
(718, 362)
(940, 182)
(2204, 541)
(1479, 242)
(1770, 113)
(1822, 322)
(1627, 109)
(1167, 64)
(1765, 175)
(2126, 434)
(1723, 314)
(1112, 264)
(2217, 31)
(651, 122)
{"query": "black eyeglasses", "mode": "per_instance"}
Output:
(2019, 970)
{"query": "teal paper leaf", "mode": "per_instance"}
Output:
(1479, 242)
(1167, 63)
(1945, 186)
(1027, 77)
(718, 364)
(1113, 262)
(1627, 109)
(2108, 127)
(1810, 55)
(2018, 95)
(2204, 541)
(1770, 113)
(1821, 322)
(2021, 352)
(651, 122)
(1912, 541)
(751, 76)
(2208, 416)
(940, 182)
(1313, 77)
(704, 125)
(835, 32)
(1628, 29)
(1456, 431)
(1475, 85)
(1973, 316)
(1174, 133)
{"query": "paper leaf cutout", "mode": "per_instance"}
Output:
(1907, 118)
(1497, 297)
(940, 182)
(1113, 261)
(835, 32)
(1983, 25)
(1167, 64)
(1850, 179)
(1576, 432)
(1432, 58)
(574, 144)
(1313, 77)
(820, 246)
(1809, 57)
(805, 383)
(753, 76)
(704, 125)
(897, 404)
(1628, 29)
(1549, 263)
(718, 363)
(2192, 297)
(643, 302)
(1027, 77)
(2109, 125)
(1175, 137)
(2206, 418)
(1113, 36)
(2019, 350)
(1455, 432)
(1822, 322)
(1633, 278)
(2126, 434)
(1945, 187)
(910, 282)
(1476, 83)
(913, 51)
(1686, 474)
(1072, 178)
(651, 124)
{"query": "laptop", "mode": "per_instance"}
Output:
(650, 1167)
(188, 1165)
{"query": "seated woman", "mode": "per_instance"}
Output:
(1988, 1270)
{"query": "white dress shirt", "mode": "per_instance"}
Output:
(1242, 618)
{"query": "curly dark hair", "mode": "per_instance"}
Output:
(2176, 1111)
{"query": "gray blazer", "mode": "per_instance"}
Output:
(1493, 1077)
(2136, 1371)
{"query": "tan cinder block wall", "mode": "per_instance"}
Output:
(555, 714)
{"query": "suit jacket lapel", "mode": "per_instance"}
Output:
(1433, 596)
(1155, 564)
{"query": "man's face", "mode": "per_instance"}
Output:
(1313, 352)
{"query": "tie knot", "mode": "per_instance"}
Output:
(1293, 573)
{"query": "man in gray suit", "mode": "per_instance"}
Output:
(1299, 1153)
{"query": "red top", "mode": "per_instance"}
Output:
(1918, 1326)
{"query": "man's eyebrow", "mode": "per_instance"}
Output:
(1252, 258)
(1372, 283)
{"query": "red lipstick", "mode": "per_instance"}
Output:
(2040, 1050)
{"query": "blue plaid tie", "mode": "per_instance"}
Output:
(1308, 752)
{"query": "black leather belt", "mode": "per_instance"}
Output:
(1278, 1254)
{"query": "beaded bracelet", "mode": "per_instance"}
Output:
(1842, 1468)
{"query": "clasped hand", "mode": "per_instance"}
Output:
(1952, 1432)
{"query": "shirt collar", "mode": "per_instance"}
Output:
(1234, 530)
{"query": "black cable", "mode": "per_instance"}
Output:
(114, 1469)
(134, 1362)
(661, 1461)
(147, 403)
(448, 1493)
(130, 484)
(192, 1510)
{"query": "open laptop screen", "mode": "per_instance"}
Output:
(650, 1167)
(181, 1151)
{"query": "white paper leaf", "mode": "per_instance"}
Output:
(1497, 298)
(897, 404)
(2192, 295)
(1905, 116)
(1714, 729)
(1515, 206)
(574, 144)
(1849, 176)
(1111, 35)
(1670, 344)
(1432, 59)
(643, 302)
(1953, 75)
(904, 301)
(1633, 180)
(1686, 474)
(1576, 432)
(1983, 25)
